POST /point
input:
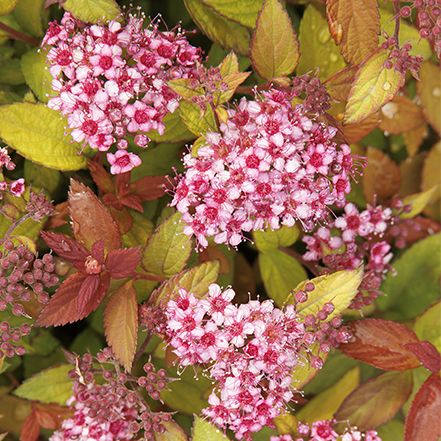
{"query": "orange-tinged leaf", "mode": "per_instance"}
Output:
(355, 26)
(121, 323)
(427, 353)
(400, 115)
(431, 176)
(123, 219)
(90, 219)
(87, 290)
(429, 92)
(356, 132)
(57, 412)
(101, 177)
(381, 176)
(339, 85)
(122, 263)
(423, 421)
(45, 419)
(373, 87)
(377, 400)
(149, 188)
(30, 429)
(274, 47)
(381, 344)
(414, 138)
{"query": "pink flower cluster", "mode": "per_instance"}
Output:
(16, 188)
(251, 350)
(322, 430)
(112, 80)
(270, 165)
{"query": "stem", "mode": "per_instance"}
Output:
(142, 347)
(299, 257)
(153, 277)
(216, 118)
(18, 35)
(397, 23)
(13, 226)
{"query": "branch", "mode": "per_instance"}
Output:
(18, 35)
(310, 265)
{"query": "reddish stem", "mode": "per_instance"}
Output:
(18, 35)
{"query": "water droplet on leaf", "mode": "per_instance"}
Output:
(436, 92)
(333, 58)
(324, 36)
(387, 85)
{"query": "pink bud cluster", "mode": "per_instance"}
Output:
(270, 165)
(111, 79)
(16, 188)
(251, 350)
(322, 430)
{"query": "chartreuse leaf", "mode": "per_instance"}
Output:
(175, 130)
(41, 177)
(392, 431)
(92, 11)
(374, 86)
(431, 175)
(325, 404)
(36, 74)
(38, 134)
(233, 80)
(173, 432)
(49, 386)
(274, 48)
(427, 326)
(226, 33)
(121, 323)
(339, 288)
(359, 24)
(28, 14)
(286, 423)
(416, 285)
(182, 86)
(204, 431)
(10, 73)
(280, 273)
(418, 202)
(269, 240)
(243, 12)
(7, 6)
(195, 122)
(304, 373)
(429, 92)
(229, 65)
(140, 232)
(317, 47)
(168, 249)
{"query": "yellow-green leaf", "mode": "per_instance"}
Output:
(431, 176)
(418, 202)
(280, 273)
(317, 47)
(374, 86)
(121, 323)
(191, 116)
(243, 12)
(92, 11)
(339, 288)
(226, 33)
(49, 386)
(269, 240)
(182, 86)
(140, 232)
(229, 65)
(204, 431)
(233, 80)
(37, 133)
(168, 249)
(10, 73)
(28, 14)
(175, 130)
(274, 47)
(286, 423)
(427, 326)
(7, 6)
(41, 177)
(173, 432)
(303, 374)
(429, 92)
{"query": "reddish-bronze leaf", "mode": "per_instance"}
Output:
(122, 182)
(45, 419)
(122, 263)
(30, 430)
(87, 290)
(355, 26)
(381, 344)
(98, 297)
(66, 247)
(101, 177)
(423, 420)
(90, 219)
(121, 323)
(98, 251)
(57, 412)
(132, 201)
(377, 400)
(356, 132)
(381, 176)
(149, 188)
(62, 307)
(111, 200)
(123, 219)
(427, 353)
(339, 85)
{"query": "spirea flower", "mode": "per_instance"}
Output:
(112, 79)
(270, 165)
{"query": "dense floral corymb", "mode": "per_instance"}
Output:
(111, 81)
(271, 165)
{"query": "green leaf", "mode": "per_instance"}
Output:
(168, 249)
(7, 6)
(418, 202)
(195, 280)
(204, 431)
(36, 74)
(41, 177)
(49, 386)
(10, 73)
(173, 432)
(175, 130)
(427, 326)
(339, 288)
(303, 374)
(374, 86)
(392, 431)
(317, 47)
(280, 274)
(229, 65)
(233, 80)
(197, 124)
(274, 47)
(416, 285)
(8, 97)
(140, 232)
(121, 323)
(243, 12)
(268, 240)
(182, 86)
(92, 11)
(28, 14)
(226, 33)
(38, 134)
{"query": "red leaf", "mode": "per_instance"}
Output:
(99, 295)
(122, 263)
(45, 419)
(62, 307)
(132, 201)
(101, 177)
(66, 247)
(123, 182)
(149, 187)
(339, 85)
(123, 219)
(381, 344)
(111, 200)
(423, 422)
(427, 353)
(98, 251)
(87, 290)
(30, 430)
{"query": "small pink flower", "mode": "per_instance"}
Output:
(17, 187)
(122, 161)
(142, 116)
